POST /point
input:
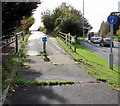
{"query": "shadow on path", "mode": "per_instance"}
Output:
(37, 95)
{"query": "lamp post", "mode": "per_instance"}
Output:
(83, 25)
(119, 6)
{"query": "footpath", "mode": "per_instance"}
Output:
(61, 67)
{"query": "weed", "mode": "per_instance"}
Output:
(22, 82)
(12, 66)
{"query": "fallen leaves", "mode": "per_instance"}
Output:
(13, 87)
(117, 89)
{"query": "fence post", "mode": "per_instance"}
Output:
(66, 38)
(69, 40)
(75, 43)
(16, 42)
(23, 35)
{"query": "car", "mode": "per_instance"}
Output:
(105, 42)
(95, 40)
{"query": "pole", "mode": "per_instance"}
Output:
(111, 52)
(23, 28)
(66, 38)
(75, 38)
(16, 42)
(44, 47)
(83, 25)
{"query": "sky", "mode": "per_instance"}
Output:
(95, 11)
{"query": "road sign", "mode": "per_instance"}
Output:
(44, 39)
(112, 19)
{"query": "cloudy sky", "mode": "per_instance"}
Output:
(96, 11)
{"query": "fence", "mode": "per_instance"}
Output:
(68, 39)
(5, 40)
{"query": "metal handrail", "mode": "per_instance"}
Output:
(9, 41)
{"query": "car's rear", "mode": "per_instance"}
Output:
(96, 40)
(106, 42)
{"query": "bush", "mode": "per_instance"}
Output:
(71, 24)
(48, 23)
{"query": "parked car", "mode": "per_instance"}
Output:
(96, 40)
(105, 42)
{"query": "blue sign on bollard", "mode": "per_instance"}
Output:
(112, 19)
(44, 39)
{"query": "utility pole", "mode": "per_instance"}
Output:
(83, 25)
(119, 6)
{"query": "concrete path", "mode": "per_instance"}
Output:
(34, 44)
(60, 67)
(66, 94)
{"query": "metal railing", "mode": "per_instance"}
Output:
(68, 39)
(7, 40)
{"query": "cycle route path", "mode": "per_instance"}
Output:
(61, 67)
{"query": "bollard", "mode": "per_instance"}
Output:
(44, 47)
(44, 39)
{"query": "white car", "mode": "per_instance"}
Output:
(96, 40)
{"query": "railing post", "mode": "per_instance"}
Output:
(66, 38)
(75, 43)
(69, 39)
(23, 35)
(16, 42)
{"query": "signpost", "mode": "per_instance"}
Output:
(112, 19)
(44, 39)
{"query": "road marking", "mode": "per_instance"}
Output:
(58, 47)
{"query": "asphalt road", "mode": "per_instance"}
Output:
(104, 51)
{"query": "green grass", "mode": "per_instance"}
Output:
(22, 82)
(114, 37)
(93, 64)
(12, 66)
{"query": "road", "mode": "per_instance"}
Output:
(103, 51)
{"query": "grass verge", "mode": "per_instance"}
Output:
(93, 64)
(12, 66)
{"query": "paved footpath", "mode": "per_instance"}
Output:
(60, 67)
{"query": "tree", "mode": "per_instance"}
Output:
(104, 29)
(65, 18)
(48, 23)
(70, 24)
(116, 25)
(26, 23)
(12, 14)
